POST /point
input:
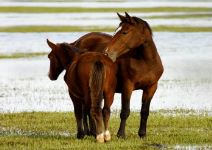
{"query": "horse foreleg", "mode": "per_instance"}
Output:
(125, 109)
(146, 100)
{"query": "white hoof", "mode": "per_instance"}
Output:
(100, 138)
(107, 136)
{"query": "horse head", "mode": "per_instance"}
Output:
(131, 33)
(56, 66)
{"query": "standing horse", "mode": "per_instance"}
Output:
(139, 67)
(90, 77)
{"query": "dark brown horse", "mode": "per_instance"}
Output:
(90, 77)
(139, 67)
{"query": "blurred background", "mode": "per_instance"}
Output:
(182, 31)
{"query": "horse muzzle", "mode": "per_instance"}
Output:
(111, 55)
(52, 77)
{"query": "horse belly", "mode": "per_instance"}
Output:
(77, 81)
(145, 80)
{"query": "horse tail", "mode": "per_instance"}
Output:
(96, 84)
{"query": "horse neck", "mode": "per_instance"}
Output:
(67, 58)
(149, 51)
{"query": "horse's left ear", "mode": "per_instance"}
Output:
(127, 15)
(129, 18)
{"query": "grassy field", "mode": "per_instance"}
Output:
(25, 9)
(54, 130)
(44, 28)
(21, 55)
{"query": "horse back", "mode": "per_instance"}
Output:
(94, 41)
(85, 65)
(79, 74)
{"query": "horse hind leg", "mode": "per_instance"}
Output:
(92, 126)
(96, 114)
(106, 114)
(78, 111)
(146, 100)
(85, 120)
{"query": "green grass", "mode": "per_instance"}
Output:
(44, 28)
(45, 130)
(25, 9)
(21, 55)
(97, 29)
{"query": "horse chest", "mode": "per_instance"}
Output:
(138, 72)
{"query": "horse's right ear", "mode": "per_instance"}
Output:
(51, 45)
(122, 18)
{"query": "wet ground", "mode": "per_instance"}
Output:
(186, 82)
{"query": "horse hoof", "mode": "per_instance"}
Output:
(93, 134)
(88, 133)
(100, 138)
(121, 136)
(107, 136)
(80, 135)
(142, 134)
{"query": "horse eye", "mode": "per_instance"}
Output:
(124, 32)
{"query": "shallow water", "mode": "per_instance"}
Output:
(178, 45)
(94, 19)
(186, 82)
(101, 19)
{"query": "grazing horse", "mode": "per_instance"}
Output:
(139, 64)
(90, 77)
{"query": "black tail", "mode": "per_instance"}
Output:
(96, 84)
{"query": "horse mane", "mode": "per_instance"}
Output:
(139, 20)
(72, 48)
(67, 46)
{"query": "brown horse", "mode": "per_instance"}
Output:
(90, 77)
(139, 68)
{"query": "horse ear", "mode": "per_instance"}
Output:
(122, 18)
(51, 45)
(127, 15)
(129, 18)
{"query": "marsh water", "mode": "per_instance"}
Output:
(187, 57)
(185, 84)
(95, 19)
